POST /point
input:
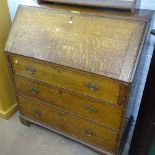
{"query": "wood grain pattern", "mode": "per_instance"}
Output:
(52, 117)
(30, 121)
(101, 113)
(89, 48)
(106, 89)
(73, 67)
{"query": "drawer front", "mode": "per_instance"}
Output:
(101, 113)
(97, 87)
(52, 117)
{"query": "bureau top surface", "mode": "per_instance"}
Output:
(107, 46)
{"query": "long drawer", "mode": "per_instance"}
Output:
(69, 124)
(88, 84)
(102, 113)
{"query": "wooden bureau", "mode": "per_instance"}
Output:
(73, 70)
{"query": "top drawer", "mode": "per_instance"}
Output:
(77, 81)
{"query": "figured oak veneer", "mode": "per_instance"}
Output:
(53, 117)
(102, 113)
(104, 89)
(73, 70)
(106, 46)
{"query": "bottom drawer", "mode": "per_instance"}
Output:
(84, 130)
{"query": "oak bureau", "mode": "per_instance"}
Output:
(73, 70)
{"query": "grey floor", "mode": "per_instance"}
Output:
(16, 139)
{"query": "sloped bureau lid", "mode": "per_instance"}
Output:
(107, 46)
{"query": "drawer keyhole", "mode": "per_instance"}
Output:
(71, 19)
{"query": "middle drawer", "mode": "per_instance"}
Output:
(101, 113)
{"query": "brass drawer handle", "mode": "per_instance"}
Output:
(91, 109)
(91, 86)
(35, 91)
(89, 132)
(31, 69)
(37, 112)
